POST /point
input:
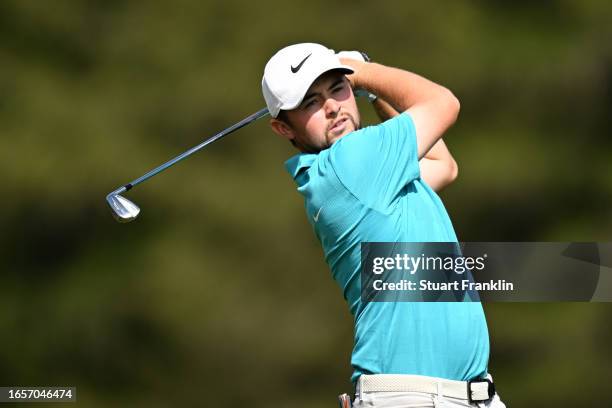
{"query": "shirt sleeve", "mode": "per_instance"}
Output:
(377, 162)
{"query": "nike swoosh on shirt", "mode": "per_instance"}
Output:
(296, 69)
(316, 217)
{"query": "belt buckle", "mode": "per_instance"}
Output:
(490, 389)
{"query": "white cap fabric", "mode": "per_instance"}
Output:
(291, 71)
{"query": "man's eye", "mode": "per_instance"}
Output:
(337, 89)
(309, 103)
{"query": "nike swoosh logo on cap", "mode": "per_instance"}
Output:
(296, 69)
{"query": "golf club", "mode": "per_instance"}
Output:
(125, 211)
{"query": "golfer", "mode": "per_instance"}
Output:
(376, 184)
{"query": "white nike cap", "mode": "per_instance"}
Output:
(291, 71)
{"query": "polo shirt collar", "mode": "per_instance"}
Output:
(298, 162)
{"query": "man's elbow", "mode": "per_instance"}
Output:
(453, 171)
(450, 175)
(452, 106)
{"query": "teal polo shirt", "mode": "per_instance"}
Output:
(367, 188)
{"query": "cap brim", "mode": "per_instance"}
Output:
(342, 68)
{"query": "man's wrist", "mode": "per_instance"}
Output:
(358, 60)
(362, 78)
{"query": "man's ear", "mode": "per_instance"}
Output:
(282, 129)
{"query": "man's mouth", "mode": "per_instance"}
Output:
(339, 125)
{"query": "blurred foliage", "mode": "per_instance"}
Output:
(218, 294)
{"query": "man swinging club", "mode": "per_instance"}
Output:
(376, 184)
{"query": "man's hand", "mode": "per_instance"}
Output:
(349, 57)
(357, 65)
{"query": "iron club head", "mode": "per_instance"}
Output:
(123, 209)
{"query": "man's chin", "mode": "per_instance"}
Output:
(335, 138)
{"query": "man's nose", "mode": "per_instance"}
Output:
(331, 107)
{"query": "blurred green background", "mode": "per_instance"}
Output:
(218, 294)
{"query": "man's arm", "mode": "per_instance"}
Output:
(438, 167)
(432, 107)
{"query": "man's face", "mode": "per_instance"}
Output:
(327, 113)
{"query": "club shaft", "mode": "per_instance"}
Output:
(169, 163)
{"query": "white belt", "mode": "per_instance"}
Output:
(475, 390)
